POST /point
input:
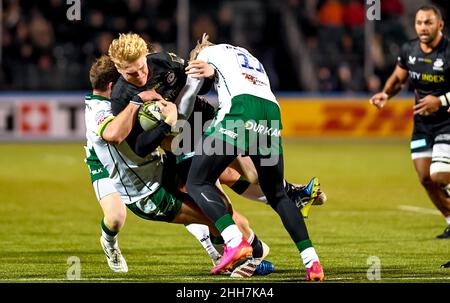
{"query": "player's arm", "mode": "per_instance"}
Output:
(197, 71)
(149, 140)
(186, 99)
(430, 104)
(393, 85)
(120, 127)
(200, 69)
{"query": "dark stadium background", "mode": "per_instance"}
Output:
(305, 45)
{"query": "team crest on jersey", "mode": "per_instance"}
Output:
(170, 77)
(438, 64)
(411, 60)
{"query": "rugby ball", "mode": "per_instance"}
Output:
(149, 115)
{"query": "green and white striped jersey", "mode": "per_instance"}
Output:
(134, 177)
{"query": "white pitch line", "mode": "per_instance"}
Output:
(420, 210)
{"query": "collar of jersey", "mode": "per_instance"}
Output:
(96, 97)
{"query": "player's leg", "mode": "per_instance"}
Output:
(204, 172)
(239, 184)
(177, 207)
(256, 265)
(202, 234)
(440, 174)
(245, 167)
(271, 181)
(260, 249)
(190, 213)
(422, 163)
(114, 212)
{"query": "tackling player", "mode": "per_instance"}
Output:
(425, 61)
(165, 72)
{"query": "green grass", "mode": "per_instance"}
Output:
(49, 212)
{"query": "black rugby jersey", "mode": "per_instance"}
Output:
(167, 77)
(429, 74)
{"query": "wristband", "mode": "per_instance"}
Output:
(137, 100)
(445, 99)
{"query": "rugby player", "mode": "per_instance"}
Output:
(425, 61)
(245, 102)
(165, 72)
(162, 73)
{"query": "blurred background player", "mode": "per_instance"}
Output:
(244, 95)
(425, 61)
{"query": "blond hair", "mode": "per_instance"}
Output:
(102, 73)
(200, 46)
(127, 48)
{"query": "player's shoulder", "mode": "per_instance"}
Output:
(165, 58)
(95, 103)
(96, 99)
(213, 50)
(159, 56)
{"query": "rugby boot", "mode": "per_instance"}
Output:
(304, 197)
(315, 272)
(445, 234)
(233, 256)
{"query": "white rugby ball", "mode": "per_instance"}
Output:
(149, 115)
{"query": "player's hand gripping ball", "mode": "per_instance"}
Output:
(149, 115)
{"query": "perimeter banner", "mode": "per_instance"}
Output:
(30, 117)
(345, 118)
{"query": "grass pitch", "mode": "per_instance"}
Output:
(376, 207)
